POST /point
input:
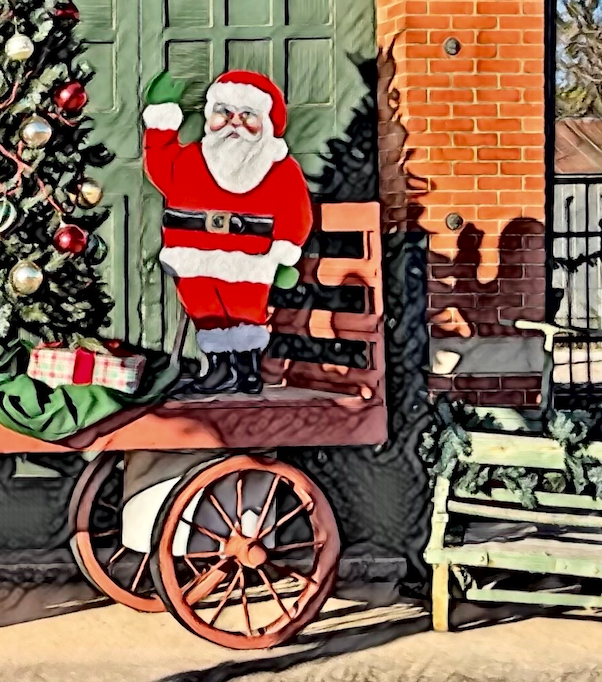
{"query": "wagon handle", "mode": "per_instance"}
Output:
(180, 340)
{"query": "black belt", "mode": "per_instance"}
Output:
(218, 222)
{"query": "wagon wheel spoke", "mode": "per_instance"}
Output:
(204, 531)
(245, 604)
(106, 505)
(203, 555)
(266, 506)
(296, 545)
(284, 519)
(239, 500)
(224, 599)
(291, 572)
(273, 592)
(105, 533)
(113, 560)
(140, 572)
(203, 585)
(222, 513)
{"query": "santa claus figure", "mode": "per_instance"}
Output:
(237, 209)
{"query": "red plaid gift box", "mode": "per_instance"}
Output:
(106, 366)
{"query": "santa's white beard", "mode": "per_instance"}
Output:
(238, 165)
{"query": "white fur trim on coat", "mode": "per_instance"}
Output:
(229, 266)
(239, 339)
(238, 95)
(167, 116)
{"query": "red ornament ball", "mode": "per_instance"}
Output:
(68, 11)
(71, 97)
(70, 239)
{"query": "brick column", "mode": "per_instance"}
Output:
(475, 139)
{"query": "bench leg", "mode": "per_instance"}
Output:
(441, 597)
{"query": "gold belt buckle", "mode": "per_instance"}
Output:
(218, 222)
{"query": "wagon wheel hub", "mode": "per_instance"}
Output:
(249, 552)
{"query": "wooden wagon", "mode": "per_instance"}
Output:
(185, 507)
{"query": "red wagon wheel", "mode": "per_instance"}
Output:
(253, 585)
(95, 529)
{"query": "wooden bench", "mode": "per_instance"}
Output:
(566, 535)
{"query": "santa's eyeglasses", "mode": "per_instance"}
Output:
(247, 116)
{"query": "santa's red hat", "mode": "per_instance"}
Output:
(247, 88)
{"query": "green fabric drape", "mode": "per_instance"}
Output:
(32, 408)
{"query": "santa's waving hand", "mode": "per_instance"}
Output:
(237, 208)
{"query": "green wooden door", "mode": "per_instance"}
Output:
(304, 45)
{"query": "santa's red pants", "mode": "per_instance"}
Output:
(228, 316)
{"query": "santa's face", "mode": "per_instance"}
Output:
(239, 146)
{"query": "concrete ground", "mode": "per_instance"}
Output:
(366, 634)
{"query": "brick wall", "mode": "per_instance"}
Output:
(474, 146)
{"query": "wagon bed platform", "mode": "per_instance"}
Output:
(281, 416)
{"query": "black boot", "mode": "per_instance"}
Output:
(222, 376)
(248, 365)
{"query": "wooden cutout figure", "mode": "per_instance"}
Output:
(237, 212)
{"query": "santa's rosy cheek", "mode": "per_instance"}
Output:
(217, 122)
(253, 125)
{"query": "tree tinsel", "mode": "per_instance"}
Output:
(446, 448)
(40, 182)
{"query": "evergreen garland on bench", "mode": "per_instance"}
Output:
(448, 439)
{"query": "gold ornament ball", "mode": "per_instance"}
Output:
(19, 47)
(36, 132)
(26, 278)
(89, 193)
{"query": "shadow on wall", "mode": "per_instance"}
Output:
(381, 494)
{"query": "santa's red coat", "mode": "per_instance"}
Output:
(223, 280)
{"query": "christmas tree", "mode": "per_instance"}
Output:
(49, 255)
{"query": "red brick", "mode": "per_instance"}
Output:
(475, 110)
(499, 95)
(451, 154)
(477, 80)
(476, 382)
(450, 8)
(475, 22)
(521, 168)
(499, 37)
(476, 168)
(524, 382)
(501, 398)
(498, 66)
(499, 153)
(451, 96)
(500, 183)
(437, 80)
(498, 124)
(521, 110)
(427, 21)
(476, 139)
(456, 124)
(521, 52)
(451, 65)
(498, 8)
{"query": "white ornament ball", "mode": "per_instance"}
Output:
(8, 215)
(19, 47)
(26, 278)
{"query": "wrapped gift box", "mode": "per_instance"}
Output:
(110, 367)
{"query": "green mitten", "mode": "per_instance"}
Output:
(163, 89)
(286, 277)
